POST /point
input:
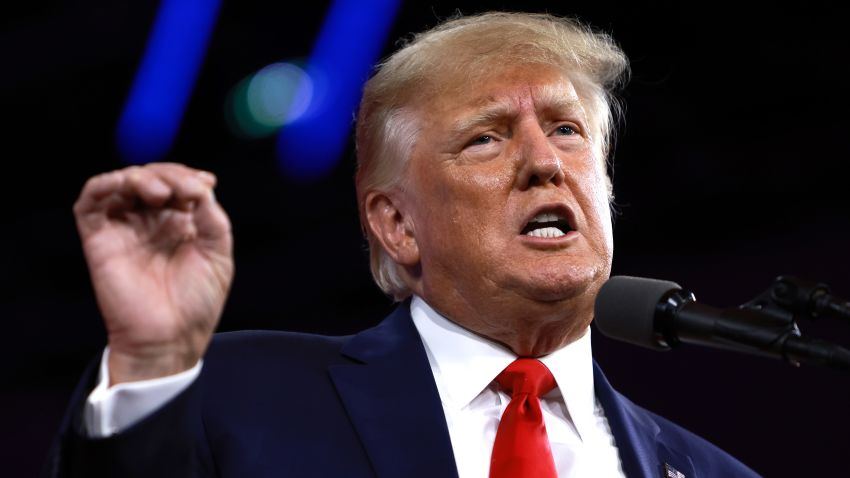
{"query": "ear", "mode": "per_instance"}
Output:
(392, 225)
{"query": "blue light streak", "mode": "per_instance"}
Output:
(349, 43)
(157, 100)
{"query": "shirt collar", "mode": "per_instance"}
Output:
(464, 364)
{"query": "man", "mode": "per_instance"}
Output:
(483, 191)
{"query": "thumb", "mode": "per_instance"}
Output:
(212, 224)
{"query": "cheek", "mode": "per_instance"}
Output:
(465, 215)
(483, 200)
(594, 188)
(606, 225)
(598, 190)
(479, 180)
(474, 191)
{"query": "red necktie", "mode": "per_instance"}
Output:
(522, 447)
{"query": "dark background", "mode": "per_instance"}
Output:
(730, 171)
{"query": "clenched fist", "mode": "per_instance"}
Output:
(159, 251)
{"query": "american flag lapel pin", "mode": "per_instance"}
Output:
(670, 472)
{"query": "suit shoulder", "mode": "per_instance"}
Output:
(269, 345)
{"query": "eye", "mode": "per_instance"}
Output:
(566, 130)
(481, 140)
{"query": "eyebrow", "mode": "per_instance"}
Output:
(553, 99)
(549, 96)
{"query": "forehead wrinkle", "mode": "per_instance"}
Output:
(492, 110)
(550, 98)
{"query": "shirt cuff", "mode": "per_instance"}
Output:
(111, 410)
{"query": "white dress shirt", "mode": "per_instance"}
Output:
(109, 410)
(465, 366)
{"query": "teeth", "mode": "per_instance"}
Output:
(545, 217)
(545, 232)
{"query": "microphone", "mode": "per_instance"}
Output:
(661, 315)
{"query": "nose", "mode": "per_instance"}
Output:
(539, 164)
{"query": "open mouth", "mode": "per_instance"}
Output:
(547, 224)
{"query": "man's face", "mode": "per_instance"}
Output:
(507, 193)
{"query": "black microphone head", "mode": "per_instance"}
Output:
(626, 306)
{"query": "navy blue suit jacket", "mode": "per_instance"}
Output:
(277, 404)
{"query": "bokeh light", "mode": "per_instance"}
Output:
(349, 43)
(150, 120)
(270, 98)
(279, 93)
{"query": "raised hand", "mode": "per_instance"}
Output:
(159, 251)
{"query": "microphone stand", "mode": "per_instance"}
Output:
(764, 326)
(809, 299)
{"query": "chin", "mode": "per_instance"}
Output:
(560, 284)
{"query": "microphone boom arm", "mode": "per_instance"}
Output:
(660, 315)
(765, 326)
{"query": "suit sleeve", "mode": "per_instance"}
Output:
(167, 443)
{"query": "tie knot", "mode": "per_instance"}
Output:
(526, 375)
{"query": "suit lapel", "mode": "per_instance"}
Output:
(392, 400)
(643, 451)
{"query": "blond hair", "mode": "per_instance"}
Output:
(466, 48)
